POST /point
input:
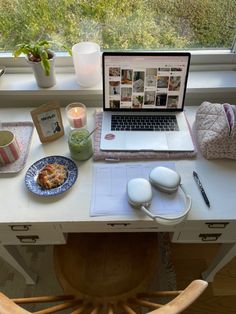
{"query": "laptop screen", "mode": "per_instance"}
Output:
(144, 81)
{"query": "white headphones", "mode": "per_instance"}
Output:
(166, 180)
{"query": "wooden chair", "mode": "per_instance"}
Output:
(109, 273)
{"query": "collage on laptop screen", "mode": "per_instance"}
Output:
(148, 82)
(144, 93)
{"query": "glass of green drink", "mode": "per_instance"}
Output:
(80, 144)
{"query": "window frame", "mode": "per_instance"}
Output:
(18, 88)
(201, 59)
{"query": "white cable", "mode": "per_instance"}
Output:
(147, 212)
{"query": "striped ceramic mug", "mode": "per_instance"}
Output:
(9, 148)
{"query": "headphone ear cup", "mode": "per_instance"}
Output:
(139, 191)
(165, 179)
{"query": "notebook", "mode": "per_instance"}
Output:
(143, 101)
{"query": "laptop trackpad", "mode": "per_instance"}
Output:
(146, 141)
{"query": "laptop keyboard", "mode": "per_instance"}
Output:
(144, 123)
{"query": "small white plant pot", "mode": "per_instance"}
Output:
(42, 79)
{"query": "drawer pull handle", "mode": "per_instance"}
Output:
(118, 224)
(218, 225)
(28, 239)
(20, 227)
(209, 237)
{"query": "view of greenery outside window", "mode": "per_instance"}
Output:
(119, 24)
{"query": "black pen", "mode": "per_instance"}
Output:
(196, 178)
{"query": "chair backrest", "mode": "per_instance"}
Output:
(11, 306)
(109, 273)
(112, 272)
(182, 300)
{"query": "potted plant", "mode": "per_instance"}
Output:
(41, 59)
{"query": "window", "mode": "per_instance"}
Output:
(120, 24)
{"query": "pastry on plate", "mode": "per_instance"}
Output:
(52, 176)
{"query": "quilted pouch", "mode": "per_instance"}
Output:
(216, 130)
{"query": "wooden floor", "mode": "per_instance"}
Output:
(189, 261)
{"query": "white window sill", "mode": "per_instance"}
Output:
(19, 89)
(212, 81)
(25, 84)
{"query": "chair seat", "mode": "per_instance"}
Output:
(113, 266)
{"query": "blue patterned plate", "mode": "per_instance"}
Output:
(32, 174)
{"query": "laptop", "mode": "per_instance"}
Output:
(143, 101)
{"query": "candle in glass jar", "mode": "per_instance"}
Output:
(76, 114)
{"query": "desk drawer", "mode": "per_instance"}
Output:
(33, 238)
(137, 227)
(193, 236)
(27, 227)
(115, 226)
(208, 226)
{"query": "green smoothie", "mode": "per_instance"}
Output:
(80, 144)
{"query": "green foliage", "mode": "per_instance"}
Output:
(37, 52)
(119, 24)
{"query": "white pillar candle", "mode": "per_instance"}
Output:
(87, 63)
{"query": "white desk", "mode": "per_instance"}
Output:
(28, 219)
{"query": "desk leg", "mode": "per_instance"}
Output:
(12, 256)
(225, 254)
